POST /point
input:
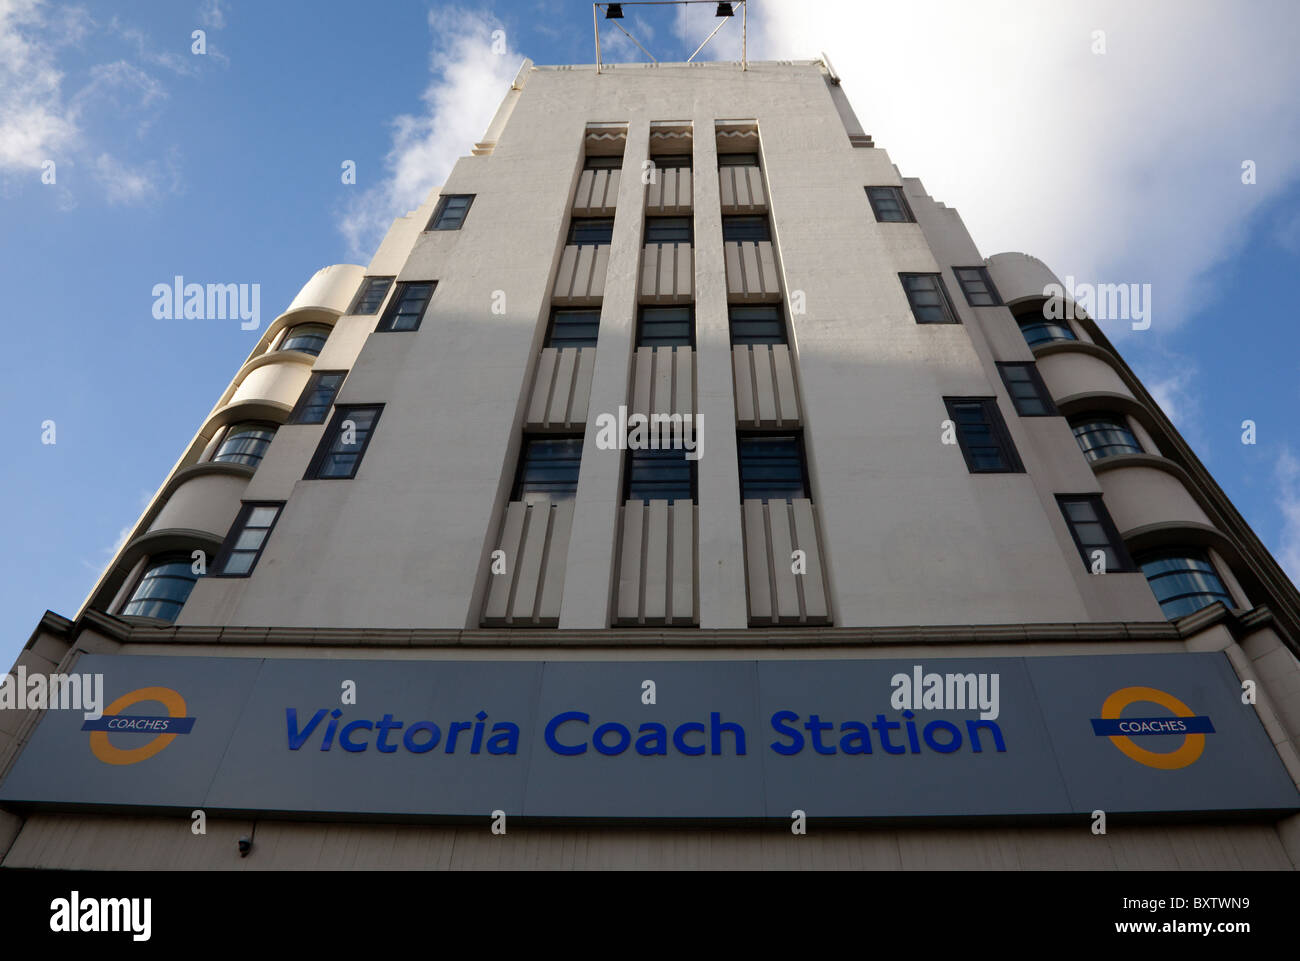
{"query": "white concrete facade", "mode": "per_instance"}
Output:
(903, 537)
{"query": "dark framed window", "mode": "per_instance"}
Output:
(308, 338)
(1104, 435)
(245, 443)
(407, 307)
(1027, 390)
(977, 286)
(668, 230)
(1184, 581)
(164, 587)
(602, 163)
(590, 231)
(666, 327)
(659, 475)
(573, 328)
(757, 324)
(983, 435)
(737, 160)
(1093, 530)
(889, 205)
(317, 397)
(344, 443)
(451, 211)
(746, 227)
(372, 295)
(670, 160)
(1038, 329)
(928, 298)
(548, 465)
(772, 467)
(247, 539)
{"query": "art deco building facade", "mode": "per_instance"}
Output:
(932, 553)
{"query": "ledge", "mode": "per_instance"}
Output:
(1240, 624)
(1156, 461)
(179, 478)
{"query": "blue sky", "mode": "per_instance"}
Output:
(1119, 166)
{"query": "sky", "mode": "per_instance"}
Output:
(1154, 143)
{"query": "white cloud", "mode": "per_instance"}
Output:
(123, 184)
(212, 16)
(1286, 474)
(468, 82)
(616, 46)
(1123, 167)
(35, 125)
(1173, 393)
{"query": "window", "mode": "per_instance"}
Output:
(247, 539)
(573, 328)
(928, 298)
(308, 338)
(1027, 390)
(450, 212)
(317, 397)
(659, 475)
(761, 324)
(1103, 435)
(668, 230)
(245, 444)
(591, 231)
(164, 588)
(602, 163)
(548, 465)
(983, 436)
(1038, 329)
(345, 441)
(666, 327)
(772, 467)
(1184, 581)
(977, 286)
(889, 205)
(748, 227)
(737, 160)
(1093, 530)
(669, 161)
(372, 295)
(407, 306)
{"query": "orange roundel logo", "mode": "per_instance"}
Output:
(1185, 723)
(164, 728)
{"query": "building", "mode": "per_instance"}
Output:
(924, 562)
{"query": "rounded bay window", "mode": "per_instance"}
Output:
(307, 338)
(1184, 580)
(245, 443)
(164, 587)
(1104, 435)
(1038, 328)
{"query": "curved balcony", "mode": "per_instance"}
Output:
(330, 288)
(1142, 491)
(273, 380)
(204, 497)
(1070, 368)
(1020, 277)
(323, 299)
